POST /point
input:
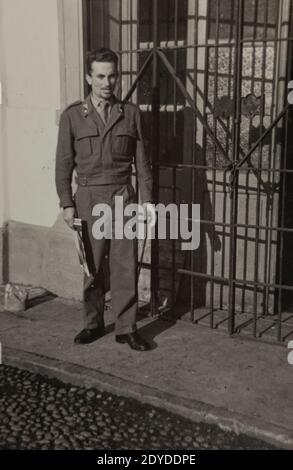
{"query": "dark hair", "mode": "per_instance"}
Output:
(101, 55)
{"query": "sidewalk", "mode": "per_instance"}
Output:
(241, 385)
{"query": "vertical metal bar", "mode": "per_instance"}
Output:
(275, 109)
(137, 68)
(138, 19)
(131, 42)
(284, 184)
(166, 20)
(281, 234)
(175, 68)
(268, 195)
(120, 46)
(224, 233)
(173, 297)
(155, 152)
(102, 23)
(234, 185)
(193, 199)
(214, 173)
(258, 193)
(155, 42)
(194, 145)
(91, 19)
(205, 101)
(224, 236)
(174, 114)
(138, 61)
(150, 22)
(248, 174)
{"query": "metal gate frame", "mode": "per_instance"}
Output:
(240, 162)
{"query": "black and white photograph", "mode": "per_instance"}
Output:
(146, 231)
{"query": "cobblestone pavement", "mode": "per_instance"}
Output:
(41, 413)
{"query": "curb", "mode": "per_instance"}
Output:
(192, 409)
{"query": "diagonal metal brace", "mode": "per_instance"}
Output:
(235, 166)
(188, 98)
(261, 138)
(139, 76)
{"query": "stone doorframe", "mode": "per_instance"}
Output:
(71, 51)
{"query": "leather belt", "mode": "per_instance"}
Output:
(101, 180)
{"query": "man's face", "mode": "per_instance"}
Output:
(103, 79)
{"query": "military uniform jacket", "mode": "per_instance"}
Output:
(101, 153)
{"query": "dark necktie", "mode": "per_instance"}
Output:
(106, 112)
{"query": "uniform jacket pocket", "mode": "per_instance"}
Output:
(124, 141)
(86, 141)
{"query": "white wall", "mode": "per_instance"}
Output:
(2, 127)
(30, 79)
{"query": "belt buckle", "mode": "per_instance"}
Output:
(82, 180)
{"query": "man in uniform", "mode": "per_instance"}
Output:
(99, 138)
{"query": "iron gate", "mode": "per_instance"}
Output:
(211, 78)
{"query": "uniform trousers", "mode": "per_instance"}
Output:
(122, 257)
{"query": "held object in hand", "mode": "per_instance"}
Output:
(78, 225)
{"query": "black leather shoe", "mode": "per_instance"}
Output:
(88, 336)
(134, 340)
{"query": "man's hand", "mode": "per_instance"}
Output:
(68, 216)
(150, 213)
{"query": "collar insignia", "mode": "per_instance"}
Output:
(85, 109)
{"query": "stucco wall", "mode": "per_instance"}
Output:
(31, 96)
(34, 54)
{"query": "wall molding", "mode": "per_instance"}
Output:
(70, 26)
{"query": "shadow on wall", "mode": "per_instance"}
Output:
(188, 189)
